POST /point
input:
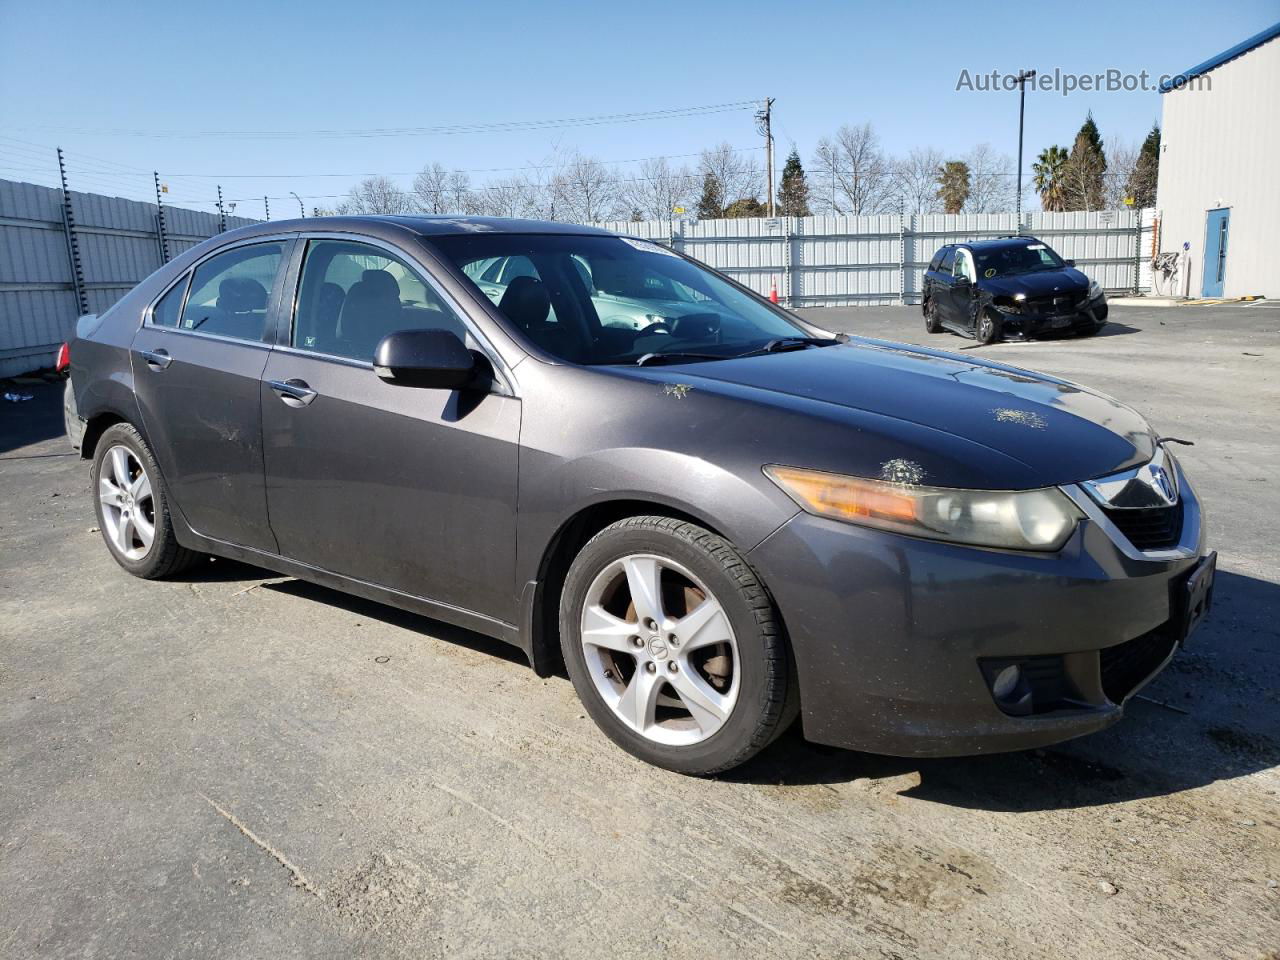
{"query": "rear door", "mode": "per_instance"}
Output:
(943, 281)
(197, 366)
(404, 487)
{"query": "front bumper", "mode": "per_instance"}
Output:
(1089, 317)
(897, 639)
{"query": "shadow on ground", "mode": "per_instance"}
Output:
(34, 420)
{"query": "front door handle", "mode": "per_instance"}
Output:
(295, 393)
(157, 359)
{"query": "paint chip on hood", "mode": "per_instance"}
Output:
(1023, 418)
(905, 472)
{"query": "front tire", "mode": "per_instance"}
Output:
(674, 646)
(133, 506)
(988, 328)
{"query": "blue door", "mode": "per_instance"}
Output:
(1215, 251)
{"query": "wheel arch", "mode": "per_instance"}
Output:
(541, 601)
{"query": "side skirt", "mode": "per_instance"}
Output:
(457, 616)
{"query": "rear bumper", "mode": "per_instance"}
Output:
(897, 640)
(71, 417)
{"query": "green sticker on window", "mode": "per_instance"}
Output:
(990, 272)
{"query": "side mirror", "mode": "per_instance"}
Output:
(1071, 263)
(425, 358)
(962, 281)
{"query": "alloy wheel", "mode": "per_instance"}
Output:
(660, 649)
(128, 506)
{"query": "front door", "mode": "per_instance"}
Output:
(404, 487)
(197, 366)
(1215, 251)
(962, 292)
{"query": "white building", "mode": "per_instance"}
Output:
(1219, 187)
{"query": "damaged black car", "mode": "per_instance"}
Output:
(1013, 287)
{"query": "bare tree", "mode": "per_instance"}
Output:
(1122, 160)
(991, 180)
(583, 190)
(658, 188)
(509, 197)
(737, 172)
(861, 177)
(915, 180)
(431, 189)
(376, 195)
(458, 191)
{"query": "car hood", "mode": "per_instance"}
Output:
(1041, 283)
(1018, 429)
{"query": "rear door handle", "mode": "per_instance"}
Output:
(295, 393)
(157, 359)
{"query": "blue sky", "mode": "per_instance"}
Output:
(121, 85)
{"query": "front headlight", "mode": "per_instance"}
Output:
(1095, 291)
(1009, 519)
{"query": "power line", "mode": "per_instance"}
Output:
(503, 126)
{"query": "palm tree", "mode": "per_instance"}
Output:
(1048, 170)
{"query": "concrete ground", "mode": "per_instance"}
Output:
(236, 765)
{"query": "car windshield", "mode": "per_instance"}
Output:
(614, 300)
(1016, 258)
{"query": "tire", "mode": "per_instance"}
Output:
(737, 655)
(130, 498)
(932, 322)
(988, 331)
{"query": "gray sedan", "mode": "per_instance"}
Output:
(714, 516)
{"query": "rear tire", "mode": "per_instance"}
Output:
(676, 686)
(932, 322)
(132, 506)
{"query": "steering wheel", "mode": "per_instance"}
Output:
(658, 326)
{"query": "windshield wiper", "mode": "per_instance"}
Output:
(795, 343)
(650, 358)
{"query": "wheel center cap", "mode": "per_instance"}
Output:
(657, 648)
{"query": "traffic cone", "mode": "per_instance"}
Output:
(773, 290)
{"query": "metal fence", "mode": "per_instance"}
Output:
(58, 260)
(56, 263)
(848, 261)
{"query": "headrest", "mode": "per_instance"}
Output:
(379, 283)
(613, 276)
(526, 302)
(241, 294)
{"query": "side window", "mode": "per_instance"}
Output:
(948, 258)
(165, 312)
(964, 265)
(229, 292)
(353, 294)
(937, 259)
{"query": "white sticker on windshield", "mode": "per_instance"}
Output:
(1035, 246)
(644, 246)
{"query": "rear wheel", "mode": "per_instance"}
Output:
(932, 320)
(132, 506)
(674, 646)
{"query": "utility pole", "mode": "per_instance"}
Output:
(222, 214)
(1023, 77)
(764, 121)
(301, 209)
(164, 236)
(266, 207)
(73, 244)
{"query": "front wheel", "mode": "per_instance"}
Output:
(988, 328)
(674, 646)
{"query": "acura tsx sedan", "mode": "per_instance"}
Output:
(715, 523)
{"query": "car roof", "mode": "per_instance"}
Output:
(999, 243)
(427, 226)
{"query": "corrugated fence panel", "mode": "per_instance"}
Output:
(119, 246)
(847, 260)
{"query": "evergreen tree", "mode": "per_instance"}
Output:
(1143, 180)
(711, 203)
(1085, 169)
(746, 207)
(953, 185)
(793, 194)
